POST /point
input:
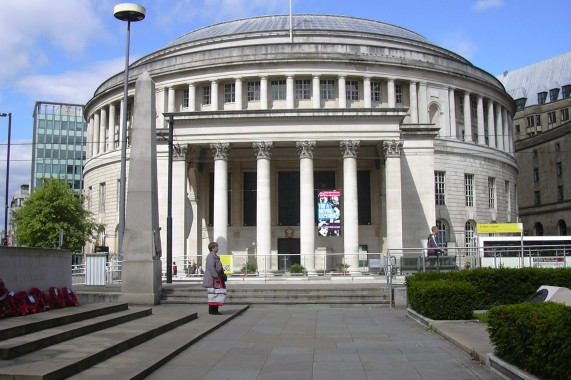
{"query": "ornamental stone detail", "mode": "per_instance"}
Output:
(220, 150)
(262, 149)
(392, 148)
(349, 148)
(305, 148)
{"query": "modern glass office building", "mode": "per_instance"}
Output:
(59, 143)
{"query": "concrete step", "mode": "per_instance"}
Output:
(140, 361)
(17, 346)
(73, 356)
(12, 327)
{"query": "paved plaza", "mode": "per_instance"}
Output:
(299, 343)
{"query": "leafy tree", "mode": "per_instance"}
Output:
(52, 207)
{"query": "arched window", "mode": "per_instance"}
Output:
(442, 237)
(538, 229)
(562, 228)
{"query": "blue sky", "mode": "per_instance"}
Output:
(61, 50)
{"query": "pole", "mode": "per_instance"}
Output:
(169, 203)
(7, 180)
(123, 175)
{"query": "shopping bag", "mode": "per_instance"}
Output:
(216, 297)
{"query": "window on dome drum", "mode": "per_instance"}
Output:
(469, 190)
(206, 99)
(538, 120)
(229, 92)
(551, 118)
(553, 94)
(566, 91)
(102, 198)
(278, 89)
(352, 90)
(541, 97)
(536, 175)
(376, 91)
(537, 198)
(520, 103)
(185, 94)
(440, 187)
(559, 193)
(564, 114)
(530, 121)
(253, 91)
(398, 93)
(474, 109)
(327, 89)
(491, 192)
(558, 169)
(302, 89)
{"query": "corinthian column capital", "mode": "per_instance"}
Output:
(220, 150)
(349, 148)
(262, 148)
(392, 148)
(305, 148)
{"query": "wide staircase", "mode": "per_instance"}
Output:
(101, 340)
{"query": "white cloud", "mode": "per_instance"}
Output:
(482, 5)
(70, 87)
(459, 45)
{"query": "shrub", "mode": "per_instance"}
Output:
(533, 336)
(342, 267)
(249, 267)
(296, 268)
(443, 299)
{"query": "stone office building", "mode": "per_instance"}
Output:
(265, 117)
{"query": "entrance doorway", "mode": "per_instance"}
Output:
(288, 253)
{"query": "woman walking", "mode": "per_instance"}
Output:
(213, 277)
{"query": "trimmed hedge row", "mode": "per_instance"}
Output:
(533, 336)
(503, 286)
(443, 299)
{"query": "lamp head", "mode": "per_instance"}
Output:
(129, 12)
(3, 114)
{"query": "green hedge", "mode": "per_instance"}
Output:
(443, 299)
(533, 336)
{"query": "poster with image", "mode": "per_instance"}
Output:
(329, 213)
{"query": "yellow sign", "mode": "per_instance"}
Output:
(499, 228)
(226, 261)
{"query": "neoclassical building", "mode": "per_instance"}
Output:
(265, 118)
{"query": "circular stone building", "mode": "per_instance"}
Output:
(399, 133)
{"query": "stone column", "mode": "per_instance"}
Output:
(103, 130)
(290, 92)
(306, 202)
(96, 132)
(505, 130)
(181, 200)
(392, 152)
(171, 100)
(89, 138)
(342, 92)
(500, 139)
(491, 127)
(422, 103)
(263, 205)
(264, 92)
(452, 102)
(350, 204)
(220, 151)
(481, 128)
(316, 93)
(467, 118)
(191, 97)
(413, 103)
(214, 104)
(112, 117)
(391, 93)
(367, 92)
(238, 100)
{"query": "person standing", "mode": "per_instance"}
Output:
(213, 271)
(432, 246)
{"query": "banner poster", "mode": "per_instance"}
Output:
(226, 261)
(329, 213)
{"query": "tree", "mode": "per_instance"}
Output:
(52, 207)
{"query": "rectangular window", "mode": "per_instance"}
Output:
(278, 89)
(440, 187)
(185, 94)
(352, 90)
(229, 92)
(564, 114)
(517, 129)
(541, 97)
(398, 93)
(102, 198)
(206, 99)
(253, 91)
(364, 197)
(288, 194)
(551, 119)
(303, 89)
(250, 198)
(553, 94)
(376, 91)
(530, 121)
(559, 193)
(558, 169)
(535, 175)
(474, 109)
(538, 120)
(491, 192)
(327, 89)
(537, 198)
(469, 189)
(566, 91)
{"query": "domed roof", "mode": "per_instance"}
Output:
(301, 22)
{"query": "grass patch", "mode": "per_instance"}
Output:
(482, 317)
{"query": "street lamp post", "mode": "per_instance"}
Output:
(131, 13)
(5, 242)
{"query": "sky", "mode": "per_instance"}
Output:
(61, 50)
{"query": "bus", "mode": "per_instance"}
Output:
(529, 251)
